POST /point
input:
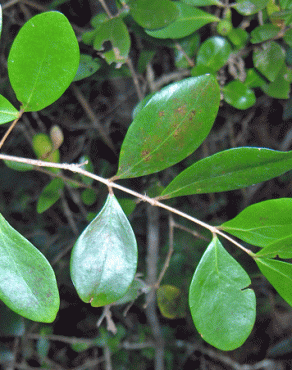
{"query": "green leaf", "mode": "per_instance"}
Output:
(43, 148)
(171, 301)
(7, 111)
(229, 170)
(27, 281)
(253, 79)
(87, 67)
(17, 166)
(104, 257)
(248, 7)
(188, 21)
(238, 37)
(264, 33)
(281, 247)
(214, 53)
(88, 197)
(285, 4)
(238, 95)
(223, 310)
(43, 60)
(279, 274)
(115, 31)
(50, 195)
(202, 2)
(153, 14)
(189, 45)
(288, 37)
(269, 59)
(173, 123)
(262, 223)
(136, 288)
(280, 87)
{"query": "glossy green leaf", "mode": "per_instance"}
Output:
(27, 281)
(264, 33)
(248, 7)
(115, 31)
(262, 223)
(281, 247)
(174, 122)
(7, 111)
(238, 95)
(87, 67)
(171, 301)
(153, 14)
(269, 59)
(202, 2)
(43, 60)
(229, 170)
(104, 257)
(188, 21)
(214, 53)
(280, 87)
(279, 274)
(50, 195)
(223, 310)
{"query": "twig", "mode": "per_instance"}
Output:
(110, 184)
(92, 116)
(135, 79)
(151, 267)
(11, 127)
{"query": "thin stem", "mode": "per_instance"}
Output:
(110, 184)
(11, 127)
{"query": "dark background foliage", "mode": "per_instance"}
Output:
(91, 109)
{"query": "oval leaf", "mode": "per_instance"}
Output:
(27, 281)
(188, 21)
(269, 59)
(223, 310)
(279, 274)
(173, 123)
(238, 95)
(104, 258)
(49, 195)
(229, 170)
(171, 301)
(153, 14)
(248, 7)
(262, 223)
(7, 111)
(43, 60)
(214, 53)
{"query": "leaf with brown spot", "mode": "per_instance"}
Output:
(173, 123)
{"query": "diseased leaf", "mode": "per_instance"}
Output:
(104, 257)
(229, 170)
(171, 301)
(262, 223)
(188, 21)
(7, 111)
(279, 274)
(27, 281)
(115, 31)
(223, 310)
(153, 14)
(173, 123)
(43, 60)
